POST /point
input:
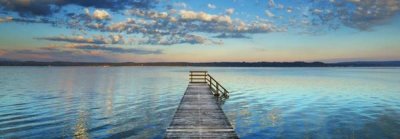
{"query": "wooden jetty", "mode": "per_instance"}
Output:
(199, 114)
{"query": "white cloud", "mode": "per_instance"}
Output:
(6, 19)
(96, 39)
(87, 12)
(289, 10)
(229, 11)
(180, 5)
(101, 15)
(271, 3)
(117, 39)
(147, 13)
(117, 27)
(354, 0)
(317, 11)
(202, 16)
(97, 14)
(173, 19)
(281, 6)
(211, 6)
(188, 15)
(223, 19)
(269, 13)
(365, 15)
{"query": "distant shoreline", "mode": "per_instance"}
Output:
(210, 64)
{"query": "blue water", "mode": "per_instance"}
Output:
(139, 102)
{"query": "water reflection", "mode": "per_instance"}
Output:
(274, 117)
(80, 128)
(139, 102)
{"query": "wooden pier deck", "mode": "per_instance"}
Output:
(199, 115)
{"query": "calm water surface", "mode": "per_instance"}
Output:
(139, 102)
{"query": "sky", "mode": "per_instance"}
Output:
(199, 30)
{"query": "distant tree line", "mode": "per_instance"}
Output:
(210, 64)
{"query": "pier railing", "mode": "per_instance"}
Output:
(204, 77)
(198, 76)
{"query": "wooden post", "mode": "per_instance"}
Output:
(217, 88)
(209, 81)
(191, 77)
(225, 93)
(205, 77)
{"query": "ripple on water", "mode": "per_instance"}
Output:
(139, 102)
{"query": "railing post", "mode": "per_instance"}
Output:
(205, 77)
(210, 80)
(217, 88)
(191, 76)
(225, 93)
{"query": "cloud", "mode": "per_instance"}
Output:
(202, 16)
(114, 49)
(27, 20)
(240, 27)
(146, 25)
(234, 35)
(5, 19)
(98, 15)
(97, 39)
(48, 7)
(117, 39)
(101, 15)
(77, 39)
(194, 39)
(28, 7)
(271, 3)
(320, 16)
(371, 12)
(151, 25)
(357, 14)
(147, 13)
(211, 6)
(116, 27)
(229, 11)
(53, 54)
(180, 5)
(289, 10)
(269, 13)
(179, 39)
(317, 11)
(175, 27)
(361, 15)
(75, 52)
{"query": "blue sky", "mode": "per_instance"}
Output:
(199, 31)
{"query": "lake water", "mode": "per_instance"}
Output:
(139, 102)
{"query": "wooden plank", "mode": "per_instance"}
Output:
(199, 116)
(203, 78)
(198, 71)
